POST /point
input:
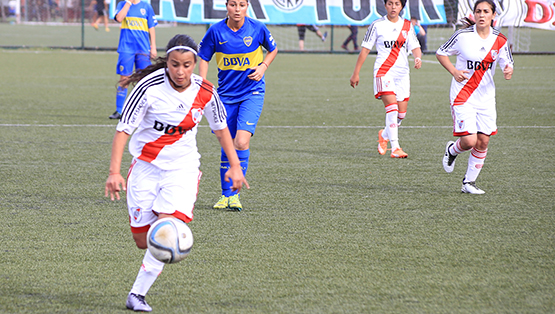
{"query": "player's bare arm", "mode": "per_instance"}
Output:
(123, 12)
(153, 52)
(360, 61)
(115, 182)
(459, 75)
(417, 53)
(235, 173)
(203, 68)
(262, 67)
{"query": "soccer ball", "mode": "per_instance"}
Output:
(169, 240)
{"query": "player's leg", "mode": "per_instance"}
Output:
(486, 125)
(465, 128)
(105, 19)
(124, 69)
(232, 111)
(142, 186)
(402, 91)
(301, 30)
(247, 119)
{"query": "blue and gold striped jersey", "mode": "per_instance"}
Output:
(236, 54)
(134, 36)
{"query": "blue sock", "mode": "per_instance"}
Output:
(224, 166)
(244, 159)
(120, 98)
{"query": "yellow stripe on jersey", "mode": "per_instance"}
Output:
(135, 23)
(239, 62)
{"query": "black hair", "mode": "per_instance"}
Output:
(468, 22)
(403, 2)
(161, 62)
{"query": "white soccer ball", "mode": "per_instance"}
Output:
(169, 240)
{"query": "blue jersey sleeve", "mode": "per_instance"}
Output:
(207, 46)
(268, 41)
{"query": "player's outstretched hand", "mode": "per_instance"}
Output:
(114, 185)
(235, 174)
(508, 72)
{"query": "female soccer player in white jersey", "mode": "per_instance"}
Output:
(394, 37)
(164, 110)
(479, 48)
(237, 42)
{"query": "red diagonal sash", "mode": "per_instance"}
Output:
(390, 61)
(152, 149)
(476, 78)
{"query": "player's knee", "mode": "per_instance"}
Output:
(140, 240)
(241, 144)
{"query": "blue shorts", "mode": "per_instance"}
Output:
(126, 61)
(244, 115)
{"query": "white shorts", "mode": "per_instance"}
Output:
(389, 85)
(471, 119)
(152, 191)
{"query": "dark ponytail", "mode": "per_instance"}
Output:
(161, 62)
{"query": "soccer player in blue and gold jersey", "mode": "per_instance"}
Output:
(237, 42)
(137, 43)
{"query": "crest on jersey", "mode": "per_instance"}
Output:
(404, 33)
(494, 54)
(288, 5)
(247, 40)
(196, 114)
(143, 11)
(137, 214)
(461, 124)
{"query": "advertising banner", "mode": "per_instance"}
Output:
(319, 12)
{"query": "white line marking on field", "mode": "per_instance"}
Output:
(285, 126)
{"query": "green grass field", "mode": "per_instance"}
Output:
(329, 226)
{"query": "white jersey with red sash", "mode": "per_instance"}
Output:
(165, 120)
(479, 57)
(393, 42)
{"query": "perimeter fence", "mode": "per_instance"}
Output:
(67, 24)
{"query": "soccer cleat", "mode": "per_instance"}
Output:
(325, 36)
(234, 203)
(382, 143)
(115, 115)
(95, 26)
(471, 188)
(448, 159)
(137, 303)
(107, 30)
(344, 47)
(222, 202)
(399, 153)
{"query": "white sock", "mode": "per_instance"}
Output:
(391, 126)
(475, 164)
(149, 271)
(456, 148)
(400, 116)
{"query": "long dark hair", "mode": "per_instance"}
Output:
(161, 62)
(468, 22)
(403, 2)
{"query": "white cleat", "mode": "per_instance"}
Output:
(137, 303)
(471, 188)
(448, 159)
